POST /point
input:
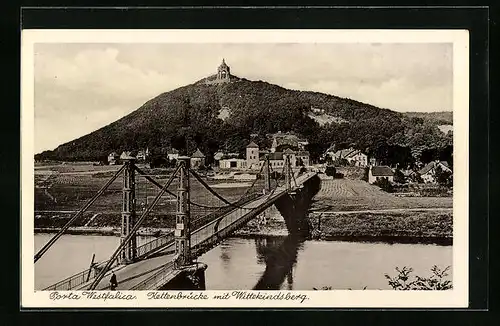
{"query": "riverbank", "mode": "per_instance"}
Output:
(104, 231)
(412, 226)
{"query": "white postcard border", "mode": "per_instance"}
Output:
(458, 297)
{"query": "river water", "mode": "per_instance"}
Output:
(263, 262)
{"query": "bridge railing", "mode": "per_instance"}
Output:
(156, 280)
(199, 222)
(153, 245)
(77, 279)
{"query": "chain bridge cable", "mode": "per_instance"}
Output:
(153, 181)
(49, 244)
(229, 204)
(133, 231)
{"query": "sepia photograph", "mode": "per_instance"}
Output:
(247, 164)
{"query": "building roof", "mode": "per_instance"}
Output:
(445, 164)
(252, 145)
(172, 151)
(285, 139)
(346, 153)
(276, 156)
(198, 154)
(382, 171)
(288, 151)
(429, 166)
(233, 159)
(218, 156)
(302, 153)
(127, 155)
(223, 64)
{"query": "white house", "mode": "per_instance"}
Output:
(232, 163)
(352, 156)
(428, 172)
(173, 154)
(380, 172)
(252, 152)
(197, 159)
(112, 158)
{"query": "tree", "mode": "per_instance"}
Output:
(399, 176)
(442, 177)
(330, 171)
(365, 174)
(384, 184)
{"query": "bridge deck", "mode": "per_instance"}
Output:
(136, 275)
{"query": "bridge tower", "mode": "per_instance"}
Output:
(267, 175)
(128, 209)
(182, 228)
(288, 173)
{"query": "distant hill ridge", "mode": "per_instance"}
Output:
(189, 117)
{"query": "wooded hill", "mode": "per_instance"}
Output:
(439, 118)
(188, 117)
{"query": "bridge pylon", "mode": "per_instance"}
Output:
(267, 175)
(288, 173)
(128, 254)
(183, 217)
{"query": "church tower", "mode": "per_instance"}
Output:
(223, 72)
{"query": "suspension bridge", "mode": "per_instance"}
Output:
(202, 220)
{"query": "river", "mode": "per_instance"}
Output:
(263, 262)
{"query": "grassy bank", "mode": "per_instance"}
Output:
(410, 226)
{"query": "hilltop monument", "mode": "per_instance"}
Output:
(223, 75)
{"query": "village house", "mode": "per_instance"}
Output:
(352, 156)
(142, 155)
(197, 159)
(172, 154)
(113, 158)
(276, 159)
(232, 163)
(380, 172)
(303, 158)
(428, 172)
(127, 155)
(252, 156)
(286, 140)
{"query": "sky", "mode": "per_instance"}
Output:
(81, 87)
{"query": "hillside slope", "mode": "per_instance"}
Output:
(188, 117)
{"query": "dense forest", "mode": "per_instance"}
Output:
(438, 118)
(188, 118)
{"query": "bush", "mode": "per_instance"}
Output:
(402, 281)
(330, 171)
(338, 176)
(443, 178)
(365, 174)
(435, 282)
(384, 184)
(399, 176)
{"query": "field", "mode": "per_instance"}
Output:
(353, 195)
(355, 210)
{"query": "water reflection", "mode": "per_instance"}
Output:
(280, 257)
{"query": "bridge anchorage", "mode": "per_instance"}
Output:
(203, 218)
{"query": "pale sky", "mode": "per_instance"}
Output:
(82, 87)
